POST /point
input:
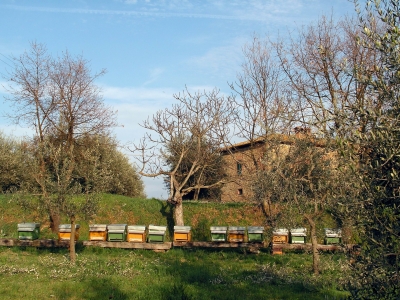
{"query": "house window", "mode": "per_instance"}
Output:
(239, 168)
(240, 191)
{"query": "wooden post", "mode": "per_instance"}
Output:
(72, 253)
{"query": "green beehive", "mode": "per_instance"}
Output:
(116, 232)
(333, 236)
(28, 231)
(255, 233)
(298, 235)
(218, 233)
(156, 234)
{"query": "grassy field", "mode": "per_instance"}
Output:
(29, 273)
(176, 274)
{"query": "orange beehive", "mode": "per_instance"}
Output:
(136, 233)
(182, 234)
(98, 232)
(280, 236)
(236, 234)
(64, 232)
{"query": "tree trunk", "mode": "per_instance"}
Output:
(178, 211)
(268, 213)
(314, 243)
(72, 254)
(196, 194)
(54, 221)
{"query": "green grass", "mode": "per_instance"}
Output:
(177, 274)
(30, 273)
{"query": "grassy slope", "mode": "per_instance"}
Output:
(114, 209)
(27, 273)
(124, 210)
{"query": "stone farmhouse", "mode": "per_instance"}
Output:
(243, 159)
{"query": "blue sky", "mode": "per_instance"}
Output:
(151, 49)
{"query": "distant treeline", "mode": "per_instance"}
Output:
(99, 166)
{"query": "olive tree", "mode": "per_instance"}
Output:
(200, 119)
(376, 152)
(14, 160)
(302, 180)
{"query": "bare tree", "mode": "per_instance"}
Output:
(59, 99)
(265, 106)
(261, 95)
(197, 119)
(211, 173)
(319, 65)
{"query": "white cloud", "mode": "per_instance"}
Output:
(137, 94)
(182, 11)
(222, 61)
(154, 75)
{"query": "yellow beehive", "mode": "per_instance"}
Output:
(136, 233)
(182, 234)
(64, 232)
(280, 236)
(236, 234)
(98, 232)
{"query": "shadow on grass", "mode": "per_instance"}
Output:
(222, 275)
(167, 212)
(96, 288)
(201, 232)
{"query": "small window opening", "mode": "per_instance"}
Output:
(239, 168)
(240, 191)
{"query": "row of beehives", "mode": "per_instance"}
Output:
(299, 235)
(141, 233)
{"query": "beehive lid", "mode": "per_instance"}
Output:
(255, 229)
(329, 232)
(218, 229)
(182, 229)
(28, 226)
(113, 227)
(136, 228)
(298, 231)
(280, 231)
(236, 228)
(98, 227)
(155, 229)
(67, 227)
